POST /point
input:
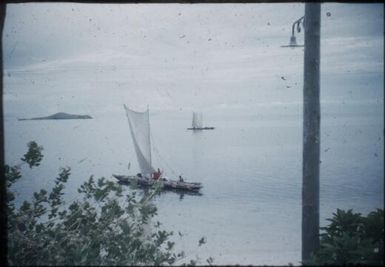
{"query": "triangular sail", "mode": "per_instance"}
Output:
(194, 120)
(140, 131)
(197, 120)
(200, 120)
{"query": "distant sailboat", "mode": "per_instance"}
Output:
(197, 122)
(139, 123)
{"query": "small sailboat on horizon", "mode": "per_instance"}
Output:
(197, 122)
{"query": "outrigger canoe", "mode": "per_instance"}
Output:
(163, 182)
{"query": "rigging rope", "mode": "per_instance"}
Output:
(160, 157)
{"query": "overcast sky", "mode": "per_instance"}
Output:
(69, 55)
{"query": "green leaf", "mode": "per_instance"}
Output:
(102, 228)
(34, 156)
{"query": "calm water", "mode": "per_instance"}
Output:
(250, 166)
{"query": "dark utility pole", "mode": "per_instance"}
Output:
(3, 183)
(311, 132)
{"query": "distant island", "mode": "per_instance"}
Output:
(61, 116)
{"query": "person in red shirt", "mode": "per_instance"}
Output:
(156, 175)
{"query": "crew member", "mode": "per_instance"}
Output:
(156, 175)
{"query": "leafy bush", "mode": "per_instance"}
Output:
(353, 239)
(96, 230)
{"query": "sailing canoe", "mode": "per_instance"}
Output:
(163, 182)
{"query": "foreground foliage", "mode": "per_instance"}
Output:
(98, 229)
(352, 239)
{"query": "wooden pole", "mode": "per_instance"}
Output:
(311, 132)
(3, 190)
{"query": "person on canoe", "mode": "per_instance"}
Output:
(156, 175)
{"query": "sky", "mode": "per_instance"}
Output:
(88, 57)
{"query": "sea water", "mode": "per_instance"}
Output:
(250, 167)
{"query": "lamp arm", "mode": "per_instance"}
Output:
(296, 22)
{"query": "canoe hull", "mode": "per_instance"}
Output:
(202, 128)
(164, 183)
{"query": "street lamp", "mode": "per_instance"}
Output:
(293, 40)
(311, 128)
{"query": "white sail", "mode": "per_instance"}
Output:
(140, 131)
(197, 120)
(194, 120)
(200, 120)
